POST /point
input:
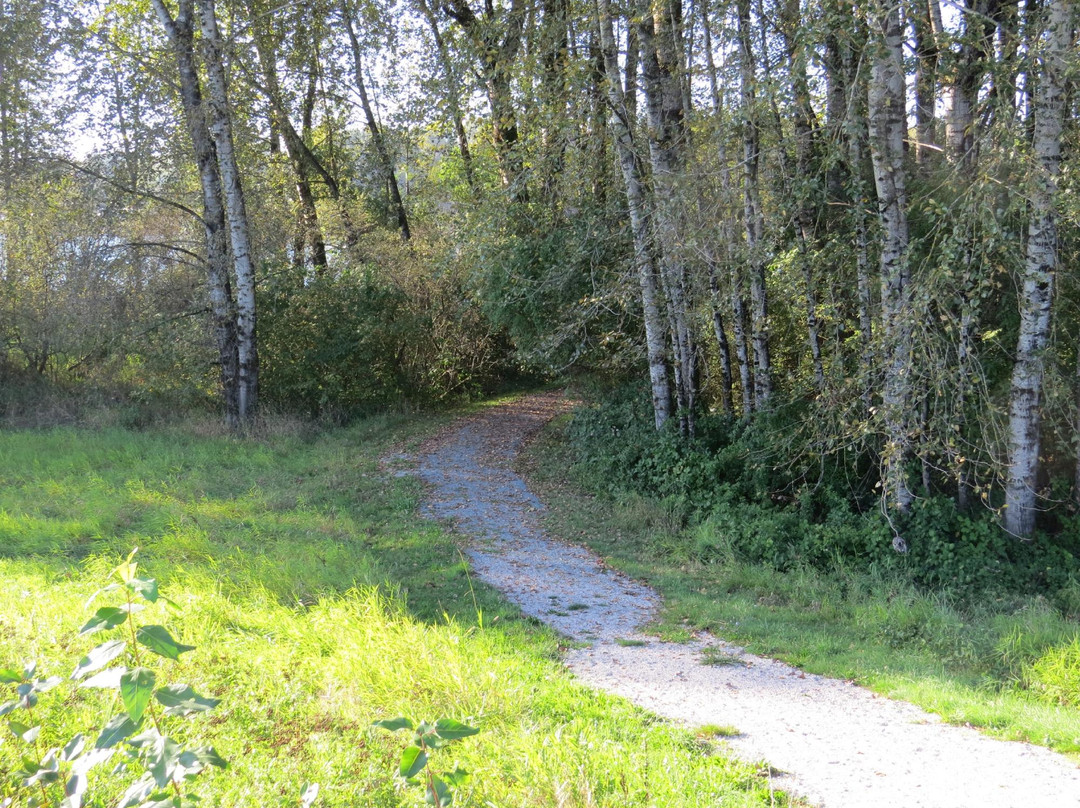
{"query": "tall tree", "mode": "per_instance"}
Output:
(660, 32)
(753, 218)
(386, 162)
(496, 40)
(1040, 265)
(887, 127)
(622, 123)
(220, 125)
(181, 33)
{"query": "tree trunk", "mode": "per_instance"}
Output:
(923, 14)
(753, 220)
(805, 125)
(658, 31)
(497, 55)
(222, 307)
(385, 161)
(309, 230)
(219, 124)
(887, 126)
(637, 202)
(453, 93)
(1036, 296)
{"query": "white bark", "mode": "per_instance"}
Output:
(1025, 395)
(235, 209)
(639, 220)
(887, 126)
(659, 30)
(181, 37)
(753, 220)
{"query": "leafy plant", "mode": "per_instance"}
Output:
(58, 775)
(428, 737)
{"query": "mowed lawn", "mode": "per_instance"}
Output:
(317, 602)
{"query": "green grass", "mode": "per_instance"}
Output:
(1010, 667)
(318, 602)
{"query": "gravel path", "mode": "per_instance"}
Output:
(836, 744)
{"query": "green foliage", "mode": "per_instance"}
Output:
(428, 737)
(732, 488)
(558, 289)
(158, 768)
(355, 344)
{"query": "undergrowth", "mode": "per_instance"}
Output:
(317, 603)
(967, 623)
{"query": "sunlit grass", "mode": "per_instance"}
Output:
(318, 602)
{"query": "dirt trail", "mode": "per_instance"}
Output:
(836, 744)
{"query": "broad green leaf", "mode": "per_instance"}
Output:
(209, 756)
(24, 731)
(181, 700)
(29, 669)
(45, 685)
(136, 687)
(99, 657)
(10, 676)
(7, 707)
(137, 792)
(74, 789)
(451, 730)
(161, 642)
(107, 679)
(48, 771)
(147, 587)
(145, 738)
(126, 571)
(394, 724)
(457, 778)
(308, 794)
(116, 730)
(413, 760)
(163, 758)
(442, 797)
(73, 749)
(105, 618)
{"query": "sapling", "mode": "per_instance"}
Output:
(138, 733)
(428, 737)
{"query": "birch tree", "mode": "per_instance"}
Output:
(1040, 266)
(622, 124)
(887, 127)
(181, 34)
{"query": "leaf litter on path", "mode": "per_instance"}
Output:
(835, 744)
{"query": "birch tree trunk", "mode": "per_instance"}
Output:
(753, 220)
(637, 203)
(220, 128)
(1037, 292)
(658, 30)
(887, 127)
(180, 32)
(805, 125)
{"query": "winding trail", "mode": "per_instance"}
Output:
(835, 744)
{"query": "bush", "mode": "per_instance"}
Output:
(743, 499)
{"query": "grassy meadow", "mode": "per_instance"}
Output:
(317, 602)
(1009, 665)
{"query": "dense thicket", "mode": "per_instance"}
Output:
(845, 220)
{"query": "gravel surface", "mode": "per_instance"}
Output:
(836, 744)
